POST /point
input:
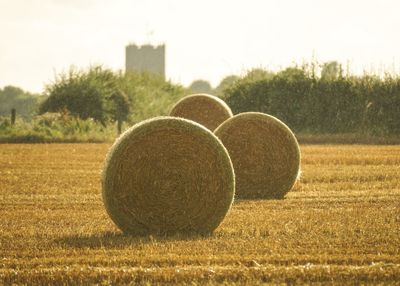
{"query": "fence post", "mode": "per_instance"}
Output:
(13, 116)
(119, 126)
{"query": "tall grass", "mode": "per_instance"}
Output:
(55, 127)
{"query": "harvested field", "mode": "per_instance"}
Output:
(340, 225)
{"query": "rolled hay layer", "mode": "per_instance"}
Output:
(167, 175)
(208, 110)
(264, 153)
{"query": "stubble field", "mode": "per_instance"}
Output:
(340, 225)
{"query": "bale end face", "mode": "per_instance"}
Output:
(167, 175)
(264, 153)
(208, 110)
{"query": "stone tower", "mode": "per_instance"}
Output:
(145, 58)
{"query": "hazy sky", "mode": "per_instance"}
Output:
(206, 39)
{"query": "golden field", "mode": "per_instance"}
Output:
(340, 225)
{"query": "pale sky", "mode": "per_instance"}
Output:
(206, 39)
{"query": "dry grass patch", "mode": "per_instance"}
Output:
(341, 226)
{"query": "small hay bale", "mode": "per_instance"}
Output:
(264, 153)
(167, 175)
(208, 110)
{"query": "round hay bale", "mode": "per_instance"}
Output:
(167, 175)
(208, 110)
(264, 153)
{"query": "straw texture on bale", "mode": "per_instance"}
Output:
(168, 175)
(264, 153)
(208, 110)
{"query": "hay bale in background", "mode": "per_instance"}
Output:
(208, 110)
(167, 175)
(264, 153)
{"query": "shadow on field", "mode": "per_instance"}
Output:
(119, 239)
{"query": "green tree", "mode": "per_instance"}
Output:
(200, 86)
(149, 94)
(257, 74)
(225, 83)
(119, 108)
(331, 104)
(331, 70)
(25, 103)
(87, 94)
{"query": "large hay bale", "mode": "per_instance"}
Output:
(264, 153)
(208, 110)
(167, 175)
